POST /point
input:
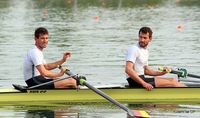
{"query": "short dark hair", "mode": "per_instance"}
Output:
(40, 31)
(146, 30)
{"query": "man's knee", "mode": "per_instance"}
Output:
(72, 81)
(174, 82)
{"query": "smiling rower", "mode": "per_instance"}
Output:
(38, 71)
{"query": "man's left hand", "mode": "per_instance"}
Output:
(167, 69)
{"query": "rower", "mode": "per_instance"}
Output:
(38, 71)
(137, 65)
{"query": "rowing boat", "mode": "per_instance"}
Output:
(123, 94)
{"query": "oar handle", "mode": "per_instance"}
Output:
(161, 69)
(180, 73)
(171, 71)
(164, 69)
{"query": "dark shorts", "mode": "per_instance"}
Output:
(39, 80)
(133, 83)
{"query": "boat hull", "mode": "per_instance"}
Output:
(125, 95)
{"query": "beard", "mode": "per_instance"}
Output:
(143, 44)
(42, 46)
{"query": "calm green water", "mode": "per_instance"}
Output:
(98, 34)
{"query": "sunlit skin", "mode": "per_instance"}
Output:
(42, 41)
(144, 39)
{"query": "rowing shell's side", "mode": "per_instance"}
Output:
(127, 95)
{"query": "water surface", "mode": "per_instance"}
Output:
(98, 34)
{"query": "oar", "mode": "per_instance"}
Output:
(179, 73)
(133, 113)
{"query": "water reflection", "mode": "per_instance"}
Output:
(75, 111)
(101, 111)
(50, 114)
(40, 114)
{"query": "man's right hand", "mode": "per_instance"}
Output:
(63, 70)
(66, 55)
(148, 86)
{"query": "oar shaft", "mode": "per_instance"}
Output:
(108, 98)
(195, 76)
(131, 113)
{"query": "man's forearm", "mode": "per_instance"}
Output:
(135, 76)
(53, 65)
(151, 72)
